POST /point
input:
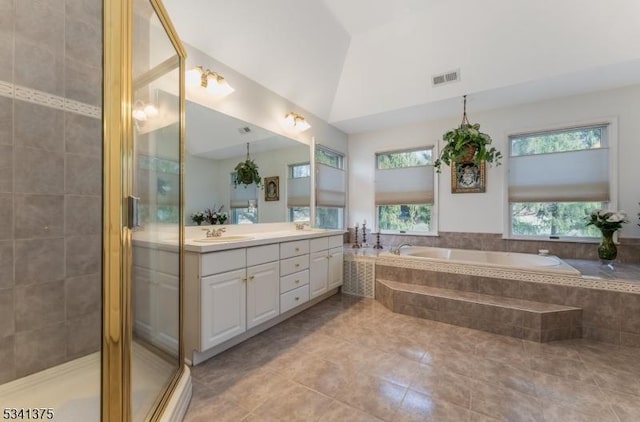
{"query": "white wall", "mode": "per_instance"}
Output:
(208, 181)
(483, 213)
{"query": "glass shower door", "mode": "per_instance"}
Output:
(156, 210)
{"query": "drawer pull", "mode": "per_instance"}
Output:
(297, 281)
(297, 298)
(297, 265)
(244, 278)
(297, 249)
(252, 277)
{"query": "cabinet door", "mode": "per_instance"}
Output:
(335, 267)
(263, 293)
(167, 312)
(318, 269)
(223, 307)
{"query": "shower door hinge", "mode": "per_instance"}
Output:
(134, 209)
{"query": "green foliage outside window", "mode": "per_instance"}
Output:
(414, 218)
(544, 143)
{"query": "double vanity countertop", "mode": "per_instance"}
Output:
(198, 242)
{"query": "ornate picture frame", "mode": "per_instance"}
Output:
(468, 177)
(272, 188)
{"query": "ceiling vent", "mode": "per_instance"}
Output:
(446, 78)
(244, 130)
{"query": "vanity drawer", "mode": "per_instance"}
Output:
(294, 298)
(220, 262)
(294, 281)
(262, 254)
(295, 248)
(293, 265)
(336, 241)
(319, 244)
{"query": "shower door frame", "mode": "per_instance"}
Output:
(118, 167)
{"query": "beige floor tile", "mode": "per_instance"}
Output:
(373, 395)
(296, 403)
(625, 406)
(351, 359)
(554, 412)
(418, 407)
(504, 403)
(442, 384)
(341, 412)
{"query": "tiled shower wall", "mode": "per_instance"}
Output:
(50, 182)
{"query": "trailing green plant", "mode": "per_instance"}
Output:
(246, 172)
(466, 143)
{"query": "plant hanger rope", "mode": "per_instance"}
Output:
(247, 151)
(465, 119)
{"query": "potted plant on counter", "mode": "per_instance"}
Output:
(467, 144)
(198, 217)
(215, 215)
(608, 222)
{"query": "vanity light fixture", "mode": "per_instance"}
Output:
(296, 122)
(213, 82)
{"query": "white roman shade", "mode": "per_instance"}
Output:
(331, 186)
(298, 192)
(571, 176)
(405, 185)
(241, 194)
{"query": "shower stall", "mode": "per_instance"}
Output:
(91, 153)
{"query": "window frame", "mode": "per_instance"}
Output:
(342, 165)
(611, 124)
(434, 207)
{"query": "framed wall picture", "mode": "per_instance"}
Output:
(468, 177)
(272, 188)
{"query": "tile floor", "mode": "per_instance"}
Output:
(351, 359)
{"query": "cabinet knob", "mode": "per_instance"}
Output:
(244, 278)
(297, 298)
(297, 249)
(297, 281)
(252, 277)
(297, 265)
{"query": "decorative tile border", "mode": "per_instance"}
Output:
(18, 92)
(497, 272)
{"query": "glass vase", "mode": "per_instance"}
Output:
(607, 250)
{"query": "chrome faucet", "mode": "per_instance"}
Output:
(301, 226)
(215, 232)
(396, 251)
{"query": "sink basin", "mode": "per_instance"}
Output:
(222, 239)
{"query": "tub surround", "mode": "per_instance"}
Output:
(628, 249)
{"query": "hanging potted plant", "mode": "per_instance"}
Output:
(467, 144)
(246, 172)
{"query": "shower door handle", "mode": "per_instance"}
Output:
(134, 210)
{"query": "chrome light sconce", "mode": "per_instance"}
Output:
(213, 82)
(296, 122)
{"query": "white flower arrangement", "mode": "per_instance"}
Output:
(607, 220)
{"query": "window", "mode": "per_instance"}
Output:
(556, 178)
(299, 192)
(331, 188)
(244, 200)
(404, 191)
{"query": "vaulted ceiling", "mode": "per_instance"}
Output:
(367, 64)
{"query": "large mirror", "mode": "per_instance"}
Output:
(215, 144)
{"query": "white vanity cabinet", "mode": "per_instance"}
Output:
(325, 269)
(294, 272)
(223, 292)
(233, 294)
(263, 284)
(155, 297)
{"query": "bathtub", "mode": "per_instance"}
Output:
(508, 260)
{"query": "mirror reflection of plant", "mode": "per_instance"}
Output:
(247, 173)
(215, 215)
(198, 217)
